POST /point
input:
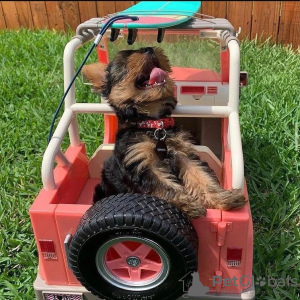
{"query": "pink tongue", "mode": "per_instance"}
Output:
(157, 75)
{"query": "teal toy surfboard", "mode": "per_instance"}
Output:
(158, 14)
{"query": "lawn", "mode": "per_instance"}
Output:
(31, 86)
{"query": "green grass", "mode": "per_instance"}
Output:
(31, 86)
(270, 124)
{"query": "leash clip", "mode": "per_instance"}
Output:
(160, 134)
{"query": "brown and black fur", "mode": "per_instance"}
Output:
(134, 167)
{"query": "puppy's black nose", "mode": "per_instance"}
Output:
(148, 50)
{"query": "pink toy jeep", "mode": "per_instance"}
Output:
(135, 246)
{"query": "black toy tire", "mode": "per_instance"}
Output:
(135, 216)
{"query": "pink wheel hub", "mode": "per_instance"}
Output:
(133, 262)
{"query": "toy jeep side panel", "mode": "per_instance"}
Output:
(236, 254)
(208, 251)
(46, 220)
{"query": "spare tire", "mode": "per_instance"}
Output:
(133, 246)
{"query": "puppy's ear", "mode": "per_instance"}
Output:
(95, 74)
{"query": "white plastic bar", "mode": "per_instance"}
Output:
(92, 108)
(69, 55)
(234, 133)
(191, 111)
(234, 75)
(61, 159)
(201, 111)
(237, 159)
(54, 148)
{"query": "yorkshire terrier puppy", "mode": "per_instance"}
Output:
(151, 155)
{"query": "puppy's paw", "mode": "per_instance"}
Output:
(231, 200)
(195, 212)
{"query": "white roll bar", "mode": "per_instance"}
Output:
(68, 120)
(53, 149)
(180, 111)
(234, 75)
(235, 141)
(69, 72)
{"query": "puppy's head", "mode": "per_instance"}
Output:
(136, 83)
